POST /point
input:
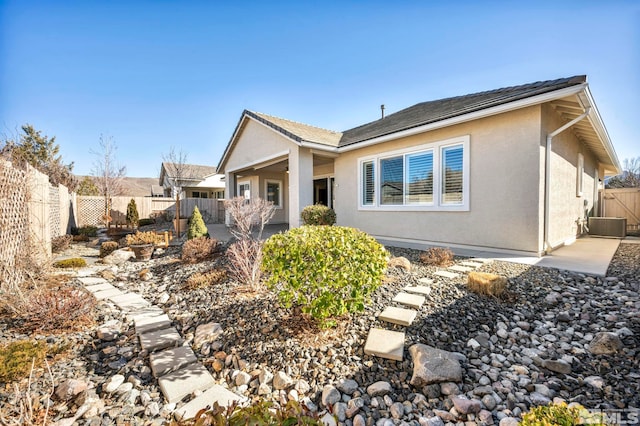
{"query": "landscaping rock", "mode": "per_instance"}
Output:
(432, 365)
(380, 388)
(466, 406)
(69, 389)
(605, 343)
(207, 333)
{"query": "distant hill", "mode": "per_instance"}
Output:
(136, 186)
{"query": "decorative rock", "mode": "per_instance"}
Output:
(243, 378)
(509, 421)
(206, 333)
(380, 388)
(108, 331)
(340, 410)
(330, 395)
(112, 384)
(118, 257)
(282, 381)
(264, 389)
(489, 402)
(449, 388)
(302, 387)
(486, 417)
(70, 388)
(124, 388)
(347, 386)
(358, 420)
(432, 365)
(265, 376)
(400, 262)
(557, 366)
(605, 343)
(539, 399)
(466, 406)
(595, 381)
(397, 410)
(429, 421)
(328, 420)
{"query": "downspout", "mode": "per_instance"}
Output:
(547, 174)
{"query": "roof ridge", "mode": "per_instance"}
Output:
(295, 122)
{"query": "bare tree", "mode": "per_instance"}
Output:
(630, 177)
(249, 216)
(176, 170)
(108, 174)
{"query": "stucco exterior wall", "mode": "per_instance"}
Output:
(504, 179)
(566, 207)
(255, 143)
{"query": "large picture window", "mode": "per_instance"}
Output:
(429, 177)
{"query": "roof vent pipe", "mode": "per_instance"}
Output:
(382, 110)
(547, 174)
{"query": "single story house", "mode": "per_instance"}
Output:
(515, 169)
(195, 180)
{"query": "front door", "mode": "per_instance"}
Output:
(323, 191)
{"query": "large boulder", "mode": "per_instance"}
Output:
(118, 257)
(605, 343)
(432, 365)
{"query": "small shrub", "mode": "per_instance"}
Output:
(74, 262)
(438, 256)
(58, 309)
(328, 270)
(249, 217)
(245, 260)
(197, 228)
(61, 243)
(260, 413)
(148, 237)
(108, 247)
(80, 238)
(146, 221)
(132, 213)
(487, 284)
(205, 279)
(559, 414)
(318, 215)
(199, 249)
(89, 231)
(17, 357)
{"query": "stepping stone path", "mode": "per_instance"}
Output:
(176, 367)
(390, 344)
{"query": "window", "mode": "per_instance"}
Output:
(580, 173)
(429, 177)
(199, 194)
(273, 191)
(244, 190)
(218, 194)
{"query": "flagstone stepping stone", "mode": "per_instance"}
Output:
(385, 344)
(147, 324)
(130, 301)
(99, 287)
(419, 289)
(107, 294)
(459, 268)
(446, 274)
(92, 280)
(471, 264)
(159, 339)
(425, 281)
(183, 382)
(398, 316)
(169, 360)
(223, 396)
(146, 312)
(412, 300)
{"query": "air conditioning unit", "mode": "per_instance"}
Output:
(608, 226)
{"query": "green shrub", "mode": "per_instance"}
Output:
(261, 413)
(17, 357)
(318, 215)
(74, 262)
(61, 243)
(145, 222)
(328, 270)
(197, 228)
(108, 247)
(558, 414)
(89, 231)
(132, 213)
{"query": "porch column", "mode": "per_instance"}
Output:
(300, 183)
(229, 193)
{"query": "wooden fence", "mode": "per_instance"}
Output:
(91, 208)
(622, 202)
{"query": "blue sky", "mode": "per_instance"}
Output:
(156, 74)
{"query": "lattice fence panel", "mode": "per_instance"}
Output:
(54, 212)
(90, 211)
(14, 224)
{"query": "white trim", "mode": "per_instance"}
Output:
(580, 175)
(558, 94)
(280, 205)
(436, 204)
(253, 165)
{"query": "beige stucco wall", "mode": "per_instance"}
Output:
(504, 197)
(256, 142)
(566, 208)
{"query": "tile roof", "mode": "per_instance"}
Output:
(442, 109)
(298, 131)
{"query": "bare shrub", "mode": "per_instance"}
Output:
(57, 309)
(205, 279)
(438, 256)
(61, 243)
(487, 284)
(199, 249)
(249, 216)
(108, 247)
(25, 407)
(245, 259)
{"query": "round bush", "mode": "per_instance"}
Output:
(327, 270)
(318, 215)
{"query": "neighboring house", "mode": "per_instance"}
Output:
(515, 169)
(196, 181)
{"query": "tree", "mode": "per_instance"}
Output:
(87, 187)
(630, 177)
(132, 213)
(197, 227)
(42, 153)
(176, 170)
(108, 175)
